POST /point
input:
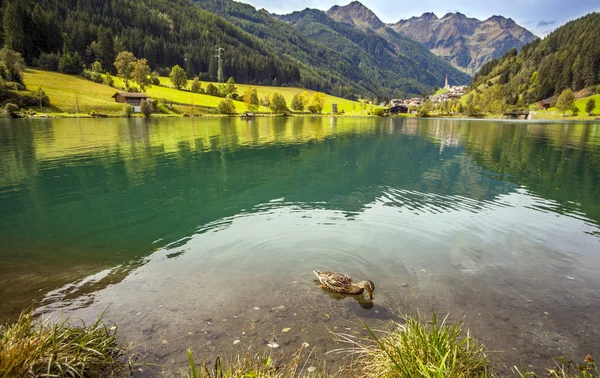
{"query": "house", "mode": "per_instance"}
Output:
(132, 98)
(547, 103)
(398, 109)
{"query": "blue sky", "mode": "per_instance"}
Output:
(539, 16)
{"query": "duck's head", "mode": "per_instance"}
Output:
(369, 286)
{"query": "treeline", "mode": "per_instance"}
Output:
(568, 58)
(164, 32)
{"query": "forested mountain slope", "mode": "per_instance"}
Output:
(567, 58)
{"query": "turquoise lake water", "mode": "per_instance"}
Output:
(200, 232)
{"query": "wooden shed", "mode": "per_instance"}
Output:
(132, 98)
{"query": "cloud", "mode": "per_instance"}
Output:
(543, 24)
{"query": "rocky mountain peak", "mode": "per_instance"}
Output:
(356, 14)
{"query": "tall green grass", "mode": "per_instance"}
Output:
(29, 348)
(419, 349)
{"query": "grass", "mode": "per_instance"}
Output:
(418, 349)
(30, 348)
(256, 366)
(348, 106)
(71, 94)
(65, 91)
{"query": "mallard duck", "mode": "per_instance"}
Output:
(342, 283)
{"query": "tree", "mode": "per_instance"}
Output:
(196, 85)
(146, 107)
(41, 97)
(278, 104)
(565, 100)
(105, 47)
(266, 102)
(226, 106)
(317, 102)
(425, 109)
(212, 90)
(96, 67)
(12, 23)
(250, 98)
(590, 106)
(230, 90)
(574, 110)
(178, 77)
(12, 64)
(297, 103)
(141, 74)
(70, 64)
(124, 63)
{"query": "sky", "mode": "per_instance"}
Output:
(538, 16)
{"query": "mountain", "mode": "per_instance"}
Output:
(466, 43)
(569, 57)
(399, 61)
(389, 71)
(356, 14)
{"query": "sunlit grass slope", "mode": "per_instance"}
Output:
(347, 106)
(65, 91)
(74, 94)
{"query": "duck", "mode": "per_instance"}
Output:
(342, 283)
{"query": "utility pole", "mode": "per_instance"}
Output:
(220, 78)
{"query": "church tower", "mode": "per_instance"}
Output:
(446, 86)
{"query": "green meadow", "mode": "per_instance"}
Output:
(76, 95)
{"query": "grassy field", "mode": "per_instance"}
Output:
(76, 95)
(65, 91)
(554, 113)
(347, 106)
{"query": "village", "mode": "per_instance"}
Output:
(448, 93)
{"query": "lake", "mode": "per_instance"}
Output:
(195, 233)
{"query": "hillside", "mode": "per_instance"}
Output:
(397, 66)
(567, 58)
(399, 61)
(466, 43)
(166, 32)
(74, 94)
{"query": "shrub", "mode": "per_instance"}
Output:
(226, 106)
(108, 80)
(96, 114)
(10, 109)
(380, 112)
(154, 80)
(146, 107)
(127, 110)
(196, 85)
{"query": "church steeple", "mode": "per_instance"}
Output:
(446, 86)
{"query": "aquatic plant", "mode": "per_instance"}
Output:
(44, 348)
(418, 349)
